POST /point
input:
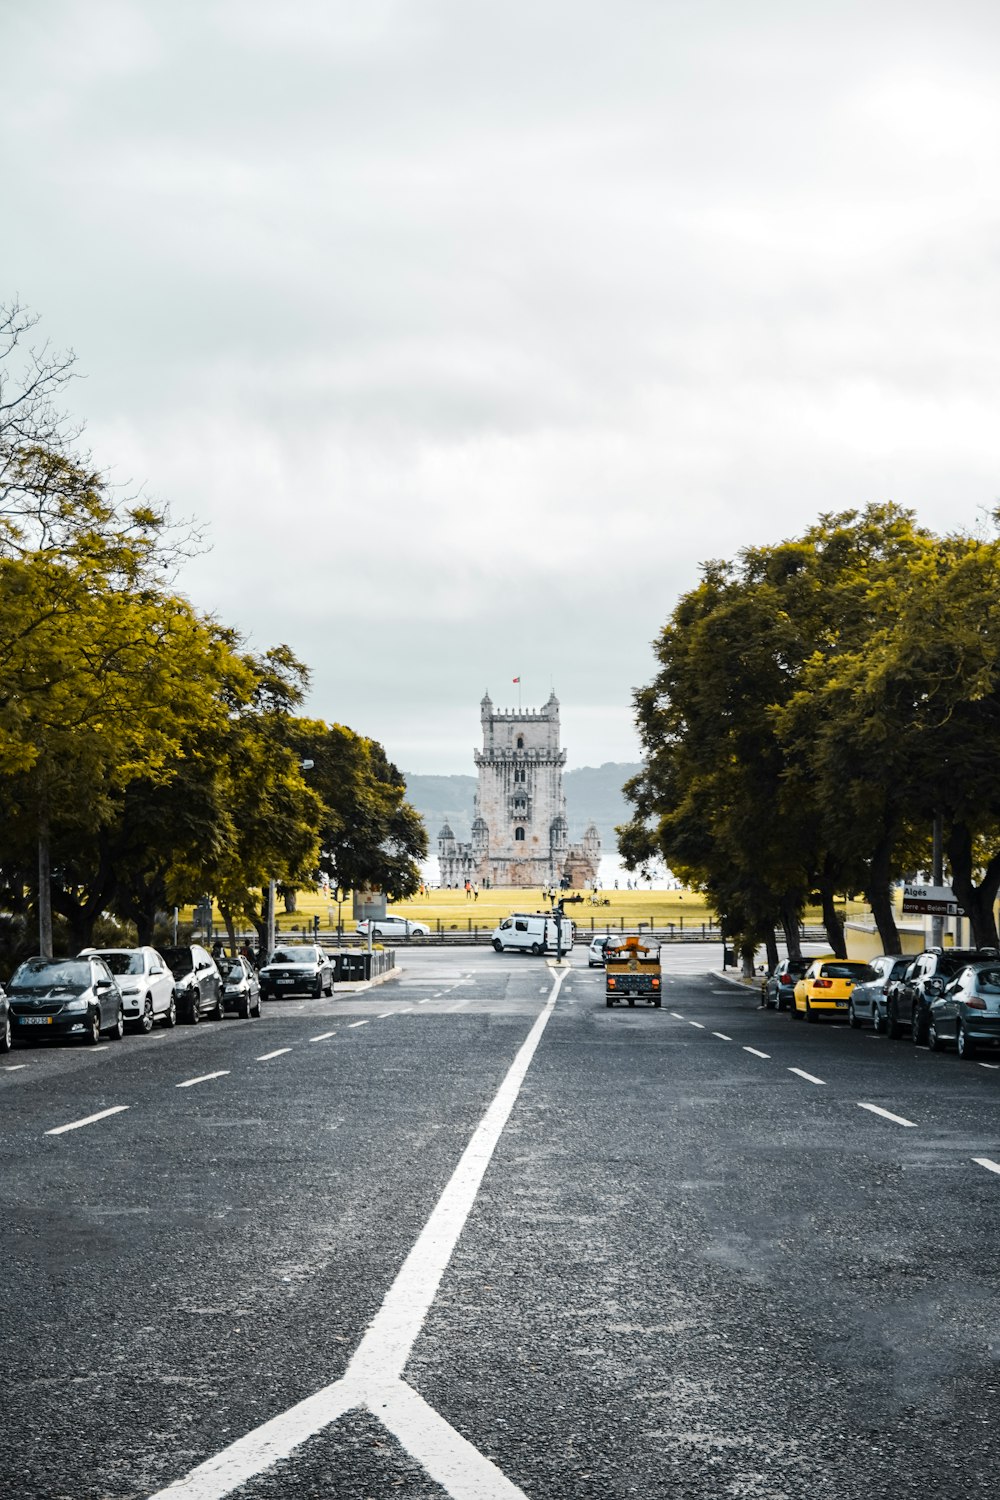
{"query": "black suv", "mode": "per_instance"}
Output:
(908, 999)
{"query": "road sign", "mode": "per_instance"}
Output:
(931, 900)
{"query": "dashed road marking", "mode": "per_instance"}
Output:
(722, 1036)
(756, 1053)
(698, 1024)
(383, 1013)
(266, 1056)
(103, 1114)
(992, 1066)
(14, 1067)
(204, 1078)
(677, 1015)
(809, 1077)
(888, 1115)
(323, 1037)
(427, 1002)
(359, 1023)
(984, 1161)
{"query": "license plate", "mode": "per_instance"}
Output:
(286, 981)
(35, 1020)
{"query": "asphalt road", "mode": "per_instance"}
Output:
(671, 1254)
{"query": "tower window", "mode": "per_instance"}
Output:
(520, 742)
(519, 773)
(519, 835)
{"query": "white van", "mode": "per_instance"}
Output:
(533, 931)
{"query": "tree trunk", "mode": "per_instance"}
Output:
(747, 951)
(44, 890)
(976, 900)
(834, 926)
(227, 917)
(790, 927)
(771, 945)
(879, 897)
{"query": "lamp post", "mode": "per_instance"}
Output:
(272, 885)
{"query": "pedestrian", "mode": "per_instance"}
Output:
(475, 893)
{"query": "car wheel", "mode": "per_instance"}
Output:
(966, 1046)
(878, 1025)
(918, 1027)
(852, 1019)
(810, 1017)
(892, 1026)
(94, 1033)
(169, 1017)
(219, 1013)
(318, 991)
(194, 1014)
(245, 1007)
(657, 1004)
(6, 1035)
(609, 1001)
(145, 1021)
(118, 1029)
(536, 949)
(497, 945)
(256, 1009)
(934, 1040)
(631, 1002)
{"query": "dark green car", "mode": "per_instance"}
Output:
(967, 1012)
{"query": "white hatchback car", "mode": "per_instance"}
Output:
(394, 927)
(146, 983)
(595, 953)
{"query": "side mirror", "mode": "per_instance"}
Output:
(155, 970)
(100, 985)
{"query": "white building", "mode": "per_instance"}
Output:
(520, 836)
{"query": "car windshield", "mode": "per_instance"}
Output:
(231, 968)
(295, 956)
(847, 971)
(179, 960)
(47, 973)
(123, 963)
(988, 980)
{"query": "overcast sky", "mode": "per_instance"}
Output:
(468, 330)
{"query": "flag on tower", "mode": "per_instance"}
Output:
(517, 679)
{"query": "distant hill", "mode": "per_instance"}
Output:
(593, 794)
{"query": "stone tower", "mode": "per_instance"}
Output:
(520, 836)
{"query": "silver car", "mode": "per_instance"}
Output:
(147, 985)
(867, 1002)
(595, 953)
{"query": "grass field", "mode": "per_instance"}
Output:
(449, 910)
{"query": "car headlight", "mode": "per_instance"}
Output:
(76, 1005)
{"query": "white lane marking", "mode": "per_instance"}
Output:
(888, 1115)
(79, 1124)
(677, 1015)
(698, 1024)
(266, 1056)
(993, 1066)
(722, 1036)
(427, 1001)
(359, 1023)
(809, 1077)
(205, 1078)
(383, 1013)
(374, 1376)
(323, 1036)
(756, 1053)
(984, 1161)
(14, 1067)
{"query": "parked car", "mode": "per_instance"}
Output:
(197, 983)
(6, 1033)
(146, 983)
(240, 986)
(908, 998)
(867, 1002)
(297, 968)
(778, 990)
(968, 1011)
(393, 927)
(76, 997)
(825, 988)
(595, 953)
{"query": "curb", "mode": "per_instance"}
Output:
(358, 987)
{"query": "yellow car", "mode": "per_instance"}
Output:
(825, 987)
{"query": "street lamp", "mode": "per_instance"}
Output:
(272, 885)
